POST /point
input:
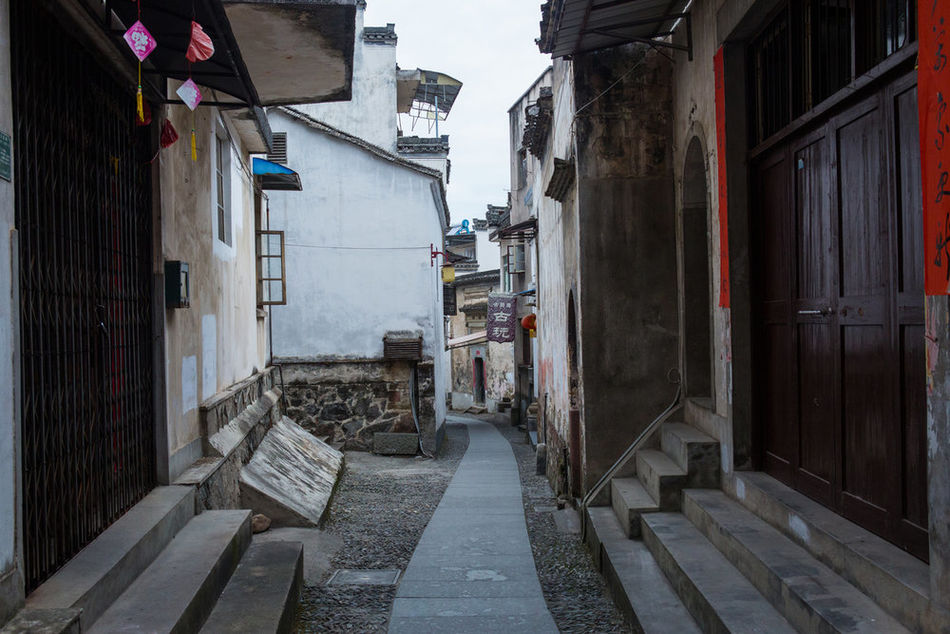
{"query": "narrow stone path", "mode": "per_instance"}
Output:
(473, 570)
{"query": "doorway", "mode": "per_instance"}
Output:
(478, 380)
(697, 275)
(574, 420)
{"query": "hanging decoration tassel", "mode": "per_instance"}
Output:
(142, 44)
(194, 146)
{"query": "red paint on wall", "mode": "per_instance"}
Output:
(933, 91)
(718, 68)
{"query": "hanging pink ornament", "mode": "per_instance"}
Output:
(200, 47)
(140, 41)
(190, 94)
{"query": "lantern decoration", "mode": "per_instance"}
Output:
(530, 323)
(142, 44)
(448, 274)
(200, 48)
(169, 134)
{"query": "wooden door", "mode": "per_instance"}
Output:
(840, 316)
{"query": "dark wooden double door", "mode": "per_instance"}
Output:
(839, 304)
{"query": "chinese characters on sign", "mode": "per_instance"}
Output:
(933, 89)
(501, 324)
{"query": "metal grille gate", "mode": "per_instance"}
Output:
(83, 211)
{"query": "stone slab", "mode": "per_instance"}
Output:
(263, 592)
(291, 477)
(319, 548)
(177, 592)
(636, 582)
(540, 623)
(364, 577)
(395, 444)
(44, 621)
(102, 571)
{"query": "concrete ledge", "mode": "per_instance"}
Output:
(11, 594)
(53, 621)
(394, 444)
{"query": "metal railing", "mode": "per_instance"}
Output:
(629, 453)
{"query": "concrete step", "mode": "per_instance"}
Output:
(103, 570)
(263, 592)
(808, 593)
(177, 592)
(629, 500)
(661, 477)
(694, 451)
(892, 578)
(716, 594)
(637, 584)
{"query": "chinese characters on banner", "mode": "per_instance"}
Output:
(933, 90)
(718, 68)
(502, 323)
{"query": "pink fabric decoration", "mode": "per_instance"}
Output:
(200, 47)
(140, 41)
(190, 94)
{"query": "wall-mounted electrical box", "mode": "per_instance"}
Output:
(177, 284)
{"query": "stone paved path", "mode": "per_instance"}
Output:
(473, 570)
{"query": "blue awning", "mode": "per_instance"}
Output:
(275, 176)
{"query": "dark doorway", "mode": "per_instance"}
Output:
(697, 278)
(83, 212)
(574, 421)
(478, 379)
(839, 301)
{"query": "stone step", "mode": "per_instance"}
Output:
(637, 584)
(177, 592)
(694, 451)
(103, 570)
(808, 593)
(892, 578)
(629, 500)
(716, 594)
(661, 477)
(263, 592)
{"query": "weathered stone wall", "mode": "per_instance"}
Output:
(349, 401)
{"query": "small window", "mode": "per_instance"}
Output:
(505, 275)
(222, 187)
(271, 269)
(515, 259)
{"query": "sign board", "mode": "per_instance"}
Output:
(502, 323)
(720, 75)
(449, 305)
(6, 157)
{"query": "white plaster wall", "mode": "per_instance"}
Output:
(489, 256)
(694, 99)
(9, 323)
(371, 114)
(358, 261)
(557, 260)
(219, 339)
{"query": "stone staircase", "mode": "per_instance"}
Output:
(685, 552)
(162, 568)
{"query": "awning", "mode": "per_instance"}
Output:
(426, 94)
(467, 340)
(523, 230)
(569, 27)
(275, 176)
(267, 52)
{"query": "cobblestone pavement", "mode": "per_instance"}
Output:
(573, 588)
(379, 511)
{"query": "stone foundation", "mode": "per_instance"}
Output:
(350, 401)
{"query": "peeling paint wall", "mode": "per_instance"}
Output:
(938, 447)
(220, 339)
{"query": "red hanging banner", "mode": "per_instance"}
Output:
(933, 92)
(718, 68)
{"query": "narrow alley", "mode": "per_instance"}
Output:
(587, 316)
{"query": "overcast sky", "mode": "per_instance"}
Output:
(489, 46)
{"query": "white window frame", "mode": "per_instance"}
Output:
(221, 186)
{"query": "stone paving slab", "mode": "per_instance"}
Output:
(473, 570)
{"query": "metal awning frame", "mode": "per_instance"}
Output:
(654, 40)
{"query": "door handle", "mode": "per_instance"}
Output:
(824, 312)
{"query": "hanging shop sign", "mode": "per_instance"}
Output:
(6, 157)
(502, 323)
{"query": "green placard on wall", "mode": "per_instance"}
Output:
(6, 157)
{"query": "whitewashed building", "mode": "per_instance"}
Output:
(360, 338)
